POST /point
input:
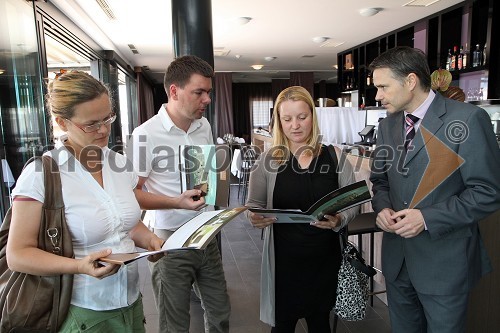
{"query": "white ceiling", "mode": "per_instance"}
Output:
(279, 28)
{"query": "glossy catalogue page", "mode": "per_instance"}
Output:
(195, 234)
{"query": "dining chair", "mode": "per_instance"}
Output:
(248, 159)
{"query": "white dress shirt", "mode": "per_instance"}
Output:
(154, 151)
(98, 218)
(422, 109)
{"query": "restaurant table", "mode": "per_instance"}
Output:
(340, 124)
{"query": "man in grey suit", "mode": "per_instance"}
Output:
(435, 174)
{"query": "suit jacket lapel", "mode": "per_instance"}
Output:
(432, 122)
(398, 136)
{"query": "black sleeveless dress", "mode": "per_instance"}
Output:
(307, 258)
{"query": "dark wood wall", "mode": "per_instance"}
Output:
(484, 303)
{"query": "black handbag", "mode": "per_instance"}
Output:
(30, 303)
(352, 287)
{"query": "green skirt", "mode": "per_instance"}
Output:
(129, 319)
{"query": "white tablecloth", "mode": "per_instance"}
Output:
(236, 163)
(361, 167)
(338, 125)
(8, 178)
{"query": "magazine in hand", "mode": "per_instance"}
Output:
(332, 203)
(206, 167)
(195, 234)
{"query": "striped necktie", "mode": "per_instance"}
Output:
(410, 121)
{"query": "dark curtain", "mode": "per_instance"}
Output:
(224, 103)
(321, 89)
(159, 96)
(243, 94)
(277, 85)
(145, 98)
(304, 79)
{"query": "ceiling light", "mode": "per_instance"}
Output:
(2, 71)
(269, 58)
(221, 51)
(243, 20)
(237, 56)
(257, 67)
(332, 43)
(336, 66)
(106, 8)
(368, 11)
(420, 3)
(320, 40)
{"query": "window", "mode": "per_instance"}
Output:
(61, 59)
(261, 113)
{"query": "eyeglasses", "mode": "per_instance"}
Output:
(95, 127)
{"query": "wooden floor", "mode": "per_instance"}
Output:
(241, 256)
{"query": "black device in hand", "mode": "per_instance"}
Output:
(203, 187)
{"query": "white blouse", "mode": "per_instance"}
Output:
(98, 218)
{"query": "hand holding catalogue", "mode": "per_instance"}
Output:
(90, 265)
(328, 222)
(331, 204)
(195, 234)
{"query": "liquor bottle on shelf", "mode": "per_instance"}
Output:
(484, 56)
(476, 57)
(465, 58)
(454, 56)
(460, 63)
(448, 60)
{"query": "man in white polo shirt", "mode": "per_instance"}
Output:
(188, 84)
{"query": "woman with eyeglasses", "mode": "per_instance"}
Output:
(101, 211)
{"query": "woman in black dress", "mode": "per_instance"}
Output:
(300, 261)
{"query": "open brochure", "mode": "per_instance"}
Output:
(195, 234)
(206, 167)
(332, 203)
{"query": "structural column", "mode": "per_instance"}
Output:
(192, 35)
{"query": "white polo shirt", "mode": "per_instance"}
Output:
(98, 218)
(154, 150)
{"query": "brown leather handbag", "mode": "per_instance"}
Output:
(30, 303)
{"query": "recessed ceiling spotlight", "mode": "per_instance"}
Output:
(243, 20)
(420, 3)
(257, 67)
(320, 40)
(368, 11)
(237, 56)
(269, 58)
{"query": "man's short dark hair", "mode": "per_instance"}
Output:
(180, 70)
(403, 60)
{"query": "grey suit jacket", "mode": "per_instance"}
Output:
(453, 176)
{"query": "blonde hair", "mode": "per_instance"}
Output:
(71, 89)
(294, 93)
